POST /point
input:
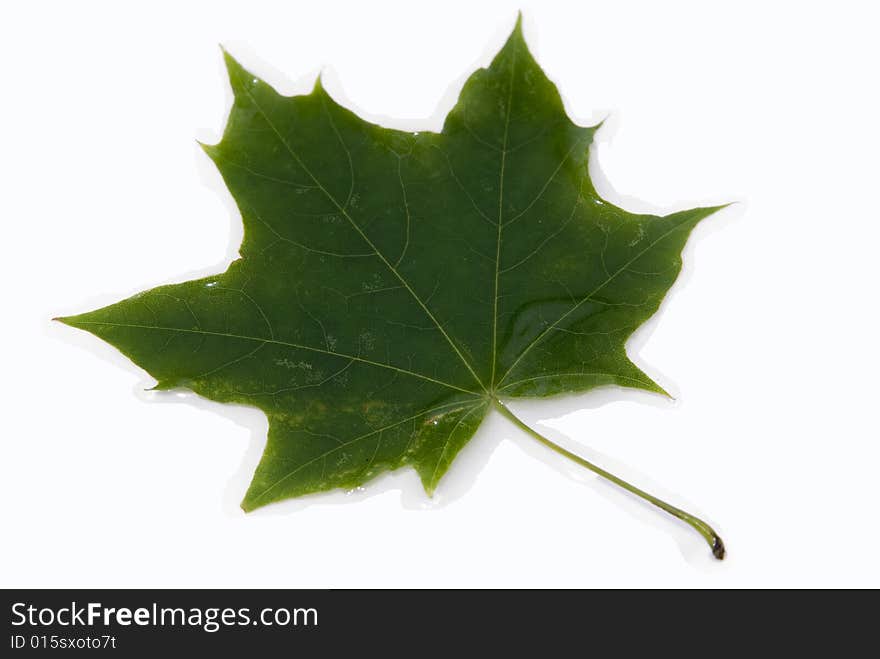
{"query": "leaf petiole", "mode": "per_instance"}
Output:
(711, 537)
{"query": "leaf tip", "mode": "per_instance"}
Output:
(601, 122)
(660, 390)
(210, 149)
(688, 219)
(720, 207)
(239, 78)
(318, 87)
(700, 214)
(163, 385)
(517, 33)
(516, 43)
(429, 483)
(230, 62)
(70, 321)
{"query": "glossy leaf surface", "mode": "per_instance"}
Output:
(393, 286)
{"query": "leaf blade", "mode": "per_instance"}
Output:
(392, 285)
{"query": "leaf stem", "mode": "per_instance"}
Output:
(712, 538)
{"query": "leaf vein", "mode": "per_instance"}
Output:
(298, 346)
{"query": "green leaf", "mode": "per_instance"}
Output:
(393, 287)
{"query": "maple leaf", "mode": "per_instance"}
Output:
(395, 287)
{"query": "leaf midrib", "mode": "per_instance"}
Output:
(500, 221)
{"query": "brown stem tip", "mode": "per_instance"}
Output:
(718, 550)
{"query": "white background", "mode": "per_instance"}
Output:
(768, 341)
